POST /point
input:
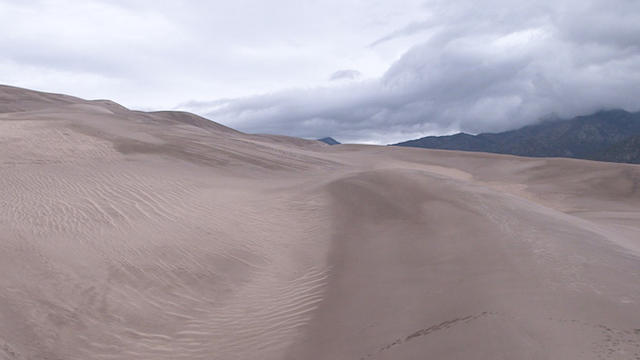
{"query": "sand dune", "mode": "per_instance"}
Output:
(133, 235)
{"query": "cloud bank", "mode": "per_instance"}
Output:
(476, 67)
(360, 71)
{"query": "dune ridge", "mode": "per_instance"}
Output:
(163, 235)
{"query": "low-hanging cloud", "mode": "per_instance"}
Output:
(481, 66)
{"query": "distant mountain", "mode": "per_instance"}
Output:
(612, 135)
(329, 140)
(625, 151)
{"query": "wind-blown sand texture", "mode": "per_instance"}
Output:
(132, 235)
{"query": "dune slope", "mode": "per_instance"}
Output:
(133, 235)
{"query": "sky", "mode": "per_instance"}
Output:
(364, 71)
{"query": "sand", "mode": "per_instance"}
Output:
(133, 235)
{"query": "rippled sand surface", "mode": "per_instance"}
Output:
(132, 235)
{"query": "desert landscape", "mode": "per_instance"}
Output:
(162, 235)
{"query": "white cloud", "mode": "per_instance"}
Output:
(162, 53)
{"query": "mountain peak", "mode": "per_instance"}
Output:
(329, 140)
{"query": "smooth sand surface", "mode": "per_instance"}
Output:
(132, 235)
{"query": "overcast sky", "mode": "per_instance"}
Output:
(358, 70)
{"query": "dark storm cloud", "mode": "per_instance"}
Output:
(481, 66)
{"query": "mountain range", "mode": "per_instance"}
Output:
(612, 135)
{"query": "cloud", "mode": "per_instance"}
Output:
(410, 29)
(345, 75)
(423, 66)
(481, 66)
(156, 54)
